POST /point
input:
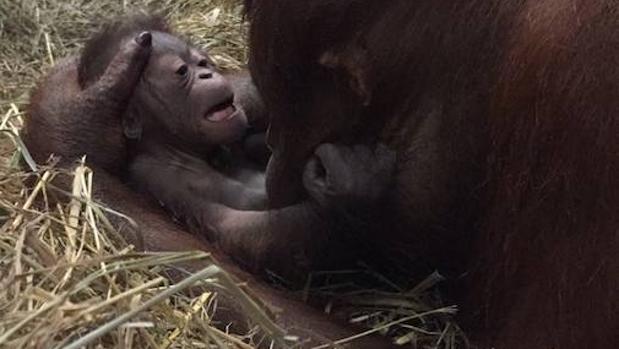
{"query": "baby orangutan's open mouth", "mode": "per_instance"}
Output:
(222, 111)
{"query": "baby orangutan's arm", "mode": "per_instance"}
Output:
(177, 181)
(343, 182)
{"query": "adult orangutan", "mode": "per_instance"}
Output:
(504, 118)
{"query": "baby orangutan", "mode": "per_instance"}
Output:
(181, 115)
(180, 118)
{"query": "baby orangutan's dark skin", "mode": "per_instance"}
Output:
(180, 117)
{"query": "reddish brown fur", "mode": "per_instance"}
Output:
(504, 115)
(46, 134)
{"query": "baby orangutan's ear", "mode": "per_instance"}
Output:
(132, 124)
(353, 60)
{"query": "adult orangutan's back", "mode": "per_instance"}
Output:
(503, 114)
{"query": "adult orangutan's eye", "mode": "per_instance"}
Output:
(182, 70)
(203, 63)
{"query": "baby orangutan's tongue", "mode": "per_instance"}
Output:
(221, 113)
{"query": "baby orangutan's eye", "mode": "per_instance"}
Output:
(203, 63)
(182, 70)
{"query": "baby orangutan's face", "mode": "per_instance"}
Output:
(182, 90)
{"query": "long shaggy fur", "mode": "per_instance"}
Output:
(530, 92)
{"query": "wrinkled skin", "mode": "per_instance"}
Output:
(503, 116)
(182, 98)
(180, 116)
(69, 120)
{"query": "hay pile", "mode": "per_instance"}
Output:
(68, 280)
